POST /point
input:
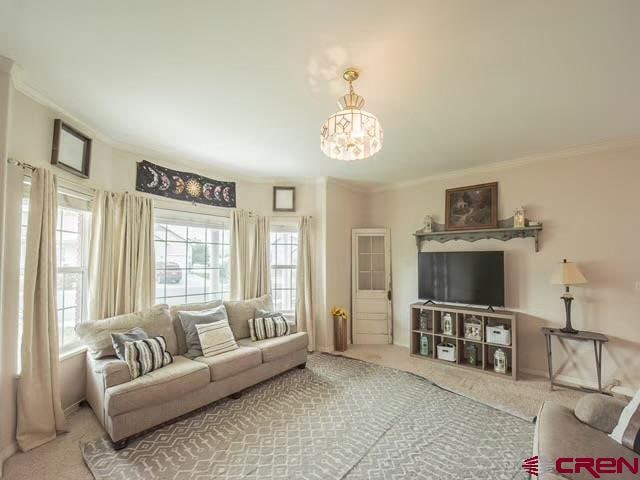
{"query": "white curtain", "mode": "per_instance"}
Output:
(40, 414)
(240, 253)
(121, 256)
(261, 264)
(304, 282)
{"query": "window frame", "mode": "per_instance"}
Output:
(69, 200)
(186, 220)
(85, 242)
(280, 227)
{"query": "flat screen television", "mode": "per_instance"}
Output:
(475, 278)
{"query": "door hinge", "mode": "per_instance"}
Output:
(389, 295)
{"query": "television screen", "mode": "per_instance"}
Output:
(475, 278)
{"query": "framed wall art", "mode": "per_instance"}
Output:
(472, 208)
(284, 199)
(71, 150)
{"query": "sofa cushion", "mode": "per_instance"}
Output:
(277, 347)
(560, 434)
(240, 311)
(175, 319)
(155, 321)
(189, 320)
(232, 363)
(599, 411)
(159, 386)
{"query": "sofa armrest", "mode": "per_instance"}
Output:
(599, 411)
(112, 370)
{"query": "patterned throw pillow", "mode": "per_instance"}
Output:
(144, 356)
(119, 339)
(627, 432)
(268, 325)
(216, 338)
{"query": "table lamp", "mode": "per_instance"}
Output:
(568, 274)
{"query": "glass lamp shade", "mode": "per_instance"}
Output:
(351, 134)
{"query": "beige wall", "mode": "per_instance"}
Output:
(588, 205)
(347, 208)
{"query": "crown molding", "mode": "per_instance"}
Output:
(508, 164)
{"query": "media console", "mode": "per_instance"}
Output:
(445, 325)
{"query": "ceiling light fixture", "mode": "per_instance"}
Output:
(351, 133)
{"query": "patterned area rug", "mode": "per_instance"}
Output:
(337, 419)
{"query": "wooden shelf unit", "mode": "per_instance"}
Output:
(459, 314)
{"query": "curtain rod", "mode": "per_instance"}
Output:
(64, 180)
(27, 166)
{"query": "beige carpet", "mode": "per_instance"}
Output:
(522, 398)
(62, 459)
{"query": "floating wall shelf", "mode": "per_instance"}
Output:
(504, 232)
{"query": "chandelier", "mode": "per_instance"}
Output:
(351, 133)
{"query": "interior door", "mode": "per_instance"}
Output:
(371, 286)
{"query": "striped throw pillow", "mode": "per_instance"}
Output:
(627, 432)
(147, 355)
(216, 338)
(268, 325)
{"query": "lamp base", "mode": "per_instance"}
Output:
(568, 328)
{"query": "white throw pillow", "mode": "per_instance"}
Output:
(216, 338)
(627, 432)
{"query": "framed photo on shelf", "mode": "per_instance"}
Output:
(472, 208)
(284, 199)
(71, 150)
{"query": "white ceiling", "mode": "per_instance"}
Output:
(245, 86)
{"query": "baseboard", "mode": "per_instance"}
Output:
(5, 453)
(73, 407)
(561, 378)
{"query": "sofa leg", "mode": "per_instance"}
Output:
(236, 395)
(120, 444)
(302, 365)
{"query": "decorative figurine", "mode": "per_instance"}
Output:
(519, 219)
(499, 361)
(447, 324)
(428, 224)
(424, 345)
(425, 320)
(473, 328)
(471, 354)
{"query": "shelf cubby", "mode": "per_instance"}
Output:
(484, 350)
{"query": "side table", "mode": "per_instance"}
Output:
(598, 340)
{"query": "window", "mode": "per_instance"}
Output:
(284, 255)
(72, 243)
(192, 262)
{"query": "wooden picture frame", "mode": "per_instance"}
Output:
(284, 199)
(71, 150)
(472, 208)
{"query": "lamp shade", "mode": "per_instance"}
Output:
(568, 273)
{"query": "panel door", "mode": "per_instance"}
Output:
(371, 286)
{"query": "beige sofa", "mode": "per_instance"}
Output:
(560, 433)
(126, 407)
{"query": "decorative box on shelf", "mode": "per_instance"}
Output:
(473, 328)
(447, 351)
(498, 334)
